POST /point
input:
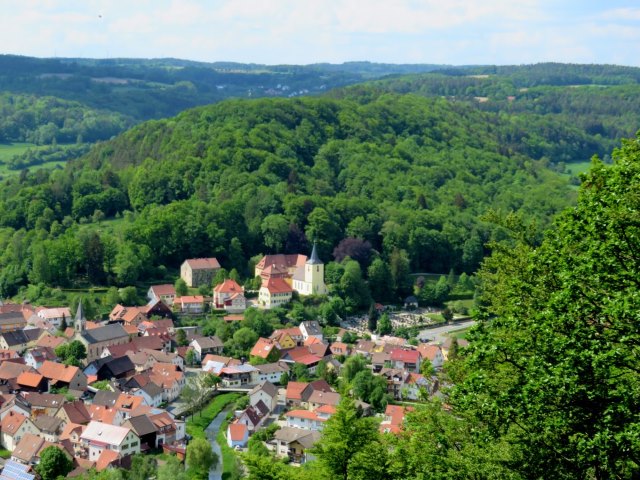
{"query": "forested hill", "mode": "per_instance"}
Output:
(143, 89)
(598, 104)
(409, 174)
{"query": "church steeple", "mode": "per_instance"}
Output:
(314, 259)
(79, 322)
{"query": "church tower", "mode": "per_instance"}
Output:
(80, 321)
(314, 274)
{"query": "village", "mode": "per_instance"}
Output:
(104, 391)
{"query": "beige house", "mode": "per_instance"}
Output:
(199, 271)
(13, 427)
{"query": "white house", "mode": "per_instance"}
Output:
(237, 435)
(99, 436)
(264, 392)
(271, 372)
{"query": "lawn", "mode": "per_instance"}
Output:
(10, 150)
(459, 334)
(197, 424)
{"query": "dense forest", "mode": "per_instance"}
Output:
(411, 176)
(58, 102)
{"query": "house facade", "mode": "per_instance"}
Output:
(199, 271)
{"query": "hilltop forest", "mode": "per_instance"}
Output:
(408, 175)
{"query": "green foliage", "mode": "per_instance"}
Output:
(171, 470)
(142, 467)
(129, 296)
(384, 325)
(352, 366)
(181, 338)
(371, 389)
(181, 288)
(300, 373)
(555, 373)
(53, 463)
(200, 458)
(345, 435)
(71, 353)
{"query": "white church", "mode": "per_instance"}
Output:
(308, 279)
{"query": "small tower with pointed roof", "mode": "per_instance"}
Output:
(80, 321)
(314, 275)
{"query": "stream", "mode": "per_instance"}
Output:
(211, 431)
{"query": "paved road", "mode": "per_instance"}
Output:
(438, 334)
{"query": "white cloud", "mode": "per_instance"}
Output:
(294, 31)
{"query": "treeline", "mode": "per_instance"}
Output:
(144, 89)
(409, 176)
(594, 116)
(48, 120)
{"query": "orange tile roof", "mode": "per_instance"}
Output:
(305, 414)
(106, 458)
(263, 348)
(12, 422)
(295, 389)
(428, 351)
(329, 409)
(164, 289)
(128, 402)
(237, 431)
(50, 341)
(228, 286)
(58, 371)
(190, 299)
(29, 379)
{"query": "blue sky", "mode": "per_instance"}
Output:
(308, 31)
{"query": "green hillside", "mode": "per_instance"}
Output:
(408, 174)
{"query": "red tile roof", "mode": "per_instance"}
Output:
(228, 286)
(164, 289)
(203, 263)
(407, 356)
(277, 285)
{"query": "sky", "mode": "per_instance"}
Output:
(454, 32)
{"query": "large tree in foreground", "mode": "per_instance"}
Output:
(555, 366)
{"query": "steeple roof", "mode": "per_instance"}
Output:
(314, 259)
(80, 312)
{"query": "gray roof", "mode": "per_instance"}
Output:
(209, 342)
(314, 259)
(106, 398)
(142, 425)
(9, 318)
(152, 389)
(273, 367)
(290, 434)
(47, 423)
(15, 338)
(102, 334)
(312, 327)
(268, 387)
